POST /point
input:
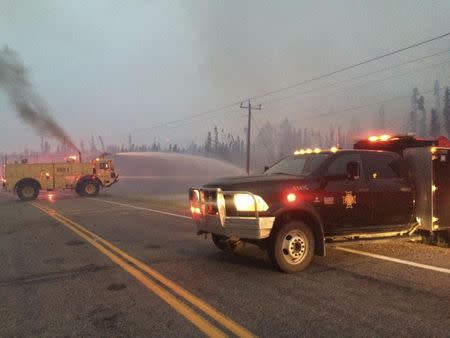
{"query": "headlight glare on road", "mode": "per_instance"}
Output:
(246, 202)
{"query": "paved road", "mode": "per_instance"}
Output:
(89, 267)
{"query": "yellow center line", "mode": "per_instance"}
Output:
(182, 308)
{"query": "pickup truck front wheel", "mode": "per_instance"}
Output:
(226, 244)
(291, 247)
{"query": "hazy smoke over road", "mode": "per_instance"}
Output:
(30, 108)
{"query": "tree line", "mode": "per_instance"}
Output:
(274, 141)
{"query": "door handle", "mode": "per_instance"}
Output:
(363, 190)
(405, 189)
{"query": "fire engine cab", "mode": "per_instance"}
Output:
(27, 179)
(386, 188)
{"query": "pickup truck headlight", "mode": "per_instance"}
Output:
(246, 202)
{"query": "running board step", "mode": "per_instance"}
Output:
(411, 238)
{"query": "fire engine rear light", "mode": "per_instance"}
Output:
(196, 211)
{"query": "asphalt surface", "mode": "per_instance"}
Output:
(58, 279)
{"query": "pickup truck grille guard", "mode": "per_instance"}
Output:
(209, 212)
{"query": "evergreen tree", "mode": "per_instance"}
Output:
(216, 140)
(413, 114)
(412, 122)
(285, 137)
(437, 104)
(340, 138)
(306, 139)
(332, 134)
(208, 144)
(446, 111)
(434, 124)
(423, 116)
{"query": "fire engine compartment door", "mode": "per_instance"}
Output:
(64, 176)
(47, 178)
(441, 198)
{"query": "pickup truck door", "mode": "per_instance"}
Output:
(346, 204)
(392, 193)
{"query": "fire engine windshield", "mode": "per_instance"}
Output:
(302, 165)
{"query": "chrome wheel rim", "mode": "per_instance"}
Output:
(294, 247)
(27, 191)
(90, 189)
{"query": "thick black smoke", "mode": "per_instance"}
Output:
(29, 107)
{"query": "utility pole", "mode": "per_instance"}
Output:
(249, 107)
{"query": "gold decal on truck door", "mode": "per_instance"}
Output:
(349, 200)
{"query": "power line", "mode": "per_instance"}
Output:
(374, 103)
(360, 77)
(395, 98)
(343, 69)
(339, 89)
(275, 91)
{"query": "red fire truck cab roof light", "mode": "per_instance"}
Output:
(384, 137)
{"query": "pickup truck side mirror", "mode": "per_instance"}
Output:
(353, 170)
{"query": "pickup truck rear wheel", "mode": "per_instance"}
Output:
(225, 244)
(291, 247)
(28, 191)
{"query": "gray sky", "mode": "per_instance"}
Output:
(114, 67)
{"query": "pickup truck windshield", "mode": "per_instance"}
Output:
(300, 165)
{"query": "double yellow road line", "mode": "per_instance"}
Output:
(150, 279)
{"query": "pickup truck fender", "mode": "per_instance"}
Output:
(307, 213)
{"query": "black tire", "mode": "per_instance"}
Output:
(28, 191)
(88, 188)
(78, 189)
(291, 247)
(225, 244)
